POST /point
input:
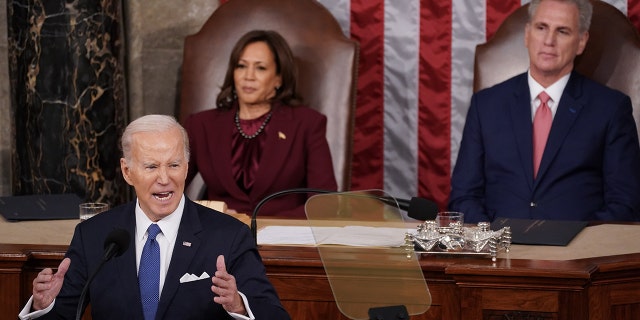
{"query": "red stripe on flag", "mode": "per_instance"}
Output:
(367, 27)
(434, 101)
(497, 11)
(633, 12)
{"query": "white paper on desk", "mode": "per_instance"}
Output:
(348, 236)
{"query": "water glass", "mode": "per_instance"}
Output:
(450, 219)
(90, 209)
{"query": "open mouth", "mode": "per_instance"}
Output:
(163, 196)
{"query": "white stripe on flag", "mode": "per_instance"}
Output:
(401, 79)
(622, 5)
(401, 48)
(468, 30)
(341, 10)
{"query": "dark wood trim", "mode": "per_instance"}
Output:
(603, 288)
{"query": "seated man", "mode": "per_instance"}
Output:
(549, 143)
(171, 237)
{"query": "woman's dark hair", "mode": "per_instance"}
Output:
(285, 67)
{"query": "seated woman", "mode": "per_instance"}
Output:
(260, 140)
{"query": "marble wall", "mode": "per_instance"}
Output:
(5, 103)
(68, 103)
(154, 32)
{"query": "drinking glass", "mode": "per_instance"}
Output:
(450, 219)
(90, 209)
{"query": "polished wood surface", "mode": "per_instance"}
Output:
(596, 286)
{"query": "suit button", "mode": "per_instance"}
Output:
(533, 204)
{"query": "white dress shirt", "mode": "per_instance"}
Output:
(554, 91)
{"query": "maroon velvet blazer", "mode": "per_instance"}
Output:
(295, 155)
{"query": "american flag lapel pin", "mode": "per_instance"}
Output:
(282, 135)
(186, 243)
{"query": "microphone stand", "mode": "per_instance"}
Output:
(112, 249)
(85, 289)
(254, 214)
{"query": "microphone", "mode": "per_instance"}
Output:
(116, 243)
(417, 208)
(422, 209)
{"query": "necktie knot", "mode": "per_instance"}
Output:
(153, 231)
(544, 97)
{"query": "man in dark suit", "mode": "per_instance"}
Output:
(587, 165)
(209, 267)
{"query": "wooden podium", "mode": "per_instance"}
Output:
(596, 277)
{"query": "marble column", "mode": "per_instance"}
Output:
(68, 97)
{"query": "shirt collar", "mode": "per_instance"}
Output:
(169, 224)
(554, 91)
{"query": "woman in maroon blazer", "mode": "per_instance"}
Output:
(260, 140)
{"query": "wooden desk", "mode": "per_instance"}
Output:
(574, 282)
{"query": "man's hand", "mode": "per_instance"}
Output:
(224, 285)
(47, 285)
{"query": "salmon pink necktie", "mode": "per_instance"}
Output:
(541, 127)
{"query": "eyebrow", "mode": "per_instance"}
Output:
(259, 62)
(543, 23)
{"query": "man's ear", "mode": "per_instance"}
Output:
(584, 37)
(124, 167)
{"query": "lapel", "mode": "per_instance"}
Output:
(282, 131)
(219, 145)
(182, 255)
(126, 264)
(520, 114)
(566, 115)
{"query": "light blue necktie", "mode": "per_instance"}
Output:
(149, 273)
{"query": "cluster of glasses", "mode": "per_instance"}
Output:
(432, 237)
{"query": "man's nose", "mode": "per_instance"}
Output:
(163, 176)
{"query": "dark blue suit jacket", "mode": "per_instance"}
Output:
(590, 168)
(114, 292)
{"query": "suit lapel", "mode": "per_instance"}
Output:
(126, 264)
(282, 130)
(567, 113)
(184, 250)
(523, 127)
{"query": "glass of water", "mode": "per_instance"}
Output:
(90, 209)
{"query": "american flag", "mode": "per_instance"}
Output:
(415, 84)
